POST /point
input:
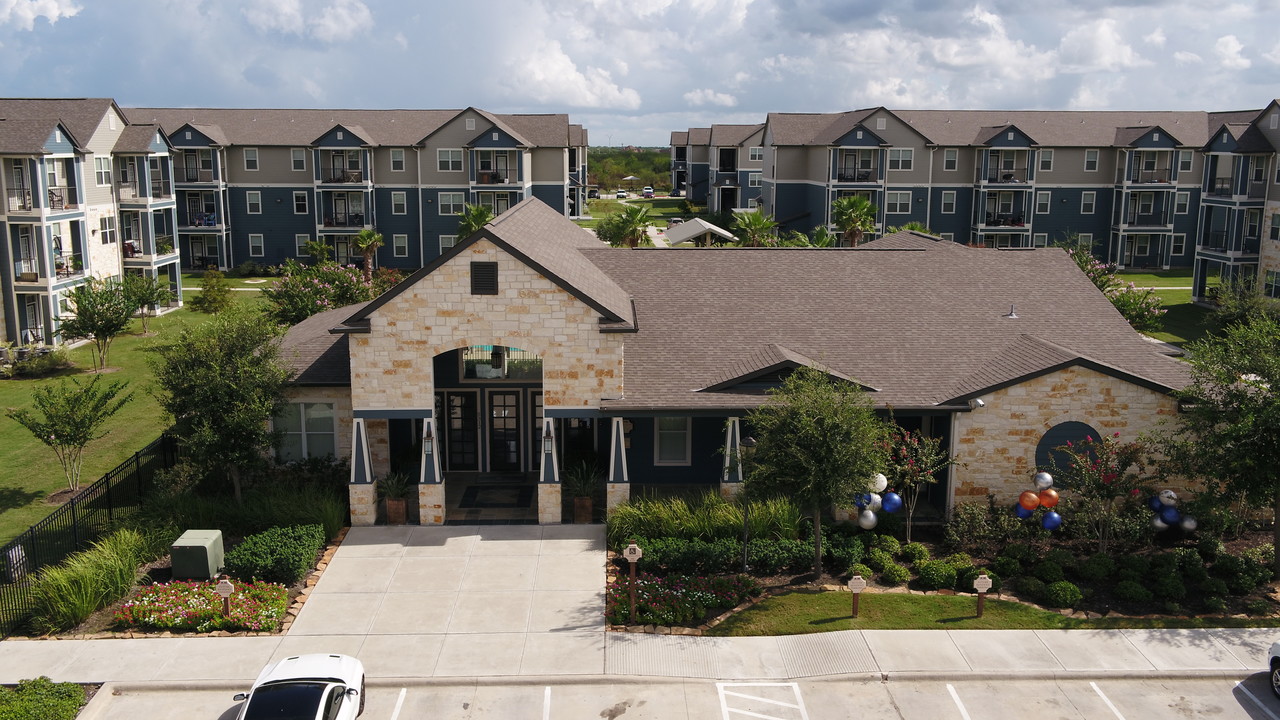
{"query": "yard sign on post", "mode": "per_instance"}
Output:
(856, 585)
(982, 584)
(633, 553)
(225, 588)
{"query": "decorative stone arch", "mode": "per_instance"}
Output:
(1057, 435)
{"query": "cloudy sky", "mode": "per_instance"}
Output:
(632, 71)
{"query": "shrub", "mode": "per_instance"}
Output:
(690, 557)
(958, 560)
(1214, 604)
(1136, 563)
(888, 543)
(1214, 586)
(980, 526)
(894, 574)
(1187, 558)
(1169, 587)
(1130, 575)
(1021, 552)
(1062, 557)
(936, 575)
(65, 595)
(915, 552)
(1163, 564)
(1005, 566)
(1096, 568)
(1132, 592)
(878, 559)
(774, 556)
(215, 294)
(965, 580)
(1173, 608)
(1241, 574)
(860, 569)
(709, 517)
(41, 699)
(1062, 594)
(1210, 548)
(1259, 607)
(1032, 587)
(1048, 571)
(675, 599)
(1262, 554)
(265, 506)
(38, 361)
(843, 550)
(279, 555)
(197, 606)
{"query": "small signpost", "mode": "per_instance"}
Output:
(225, 588)
(856, 585)
(982, 584)
(633, 553)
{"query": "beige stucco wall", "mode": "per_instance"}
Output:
(996, 444)
(391, 366)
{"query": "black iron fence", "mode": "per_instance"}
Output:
(73, 526)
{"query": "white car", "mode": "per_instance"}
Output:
(1273, 664)
(307, 687)
(621, 194)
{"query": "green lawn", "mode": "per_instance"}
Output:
(809, 611)
(196, 279)
(1176, 277)
(29, 472)
(1183, 320)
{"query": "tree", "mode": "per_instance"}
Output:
(366, 242)
(755, 229)
(914, 460)
(914, 225)
(215, 293)
(855, 216)
(304, 290)
(102, 311)
(1228, 433)
(635, 223)
(818, 442)
(317, 250)
(222, 382)
(146, 292)
(472, 218)
(1141, 307)
(1104, 473)
(71, 416)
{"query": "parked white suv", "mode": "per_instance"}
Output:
(1273, 664)
(306, 686)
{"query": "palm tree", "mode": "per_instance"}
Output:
(822, 237)
(855, 216)
(366, 242)
(915, 225)
(755, 229)
(635, 221)
(472, 218)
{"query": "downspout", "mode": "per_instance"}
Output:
(928, 204)
(417, 184)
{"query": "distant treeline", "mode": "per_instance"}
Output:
(608, 166)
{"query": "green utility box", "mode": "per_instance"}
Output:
(197, 555)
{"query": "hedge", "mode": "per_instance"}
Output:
(279, 555)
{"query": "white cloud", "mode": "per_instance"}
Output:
(707, 96)
(1274, 55)
(1187, 58)
(23, 13)
(401, 40)
(1228, 50)
(281, 16)
(1155, 37)
(547, 74)
(342, 19)
(338, 20)
(1097, 46)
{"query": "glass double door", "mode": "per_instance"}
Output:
(490, 438)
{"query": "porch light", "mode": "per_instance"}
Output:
(428, 444)
(547, 440)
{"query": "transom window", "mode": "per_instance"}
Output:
(497, 362)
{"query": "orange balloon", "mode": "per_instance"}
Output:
(1029, 500)
(1048, 497)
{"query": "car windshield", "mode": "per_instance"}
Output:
(286, 701)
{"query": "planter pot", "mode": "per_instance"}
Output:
(395, 511)
(581, 510)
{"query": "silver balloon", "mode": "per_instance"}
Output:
(867, 520)
(1043, 481)
(1168, 497)
(1159, 524)
(875, 502)
(879, 482)
(1189, 523)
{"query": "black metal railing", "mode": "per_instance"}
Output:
(73, 526)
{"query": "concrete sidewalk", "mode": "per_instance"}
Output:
(527, 601)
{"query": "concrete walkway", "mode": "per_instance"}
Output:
(527, 601)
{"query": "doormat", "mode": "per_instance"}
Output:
(497, 496)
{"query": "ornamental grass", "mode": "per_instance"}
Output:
(197, 607)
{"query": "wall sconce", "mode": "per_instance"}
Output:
(547, 440)
(428, 444)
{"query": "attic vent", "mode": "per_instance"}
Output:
(471, 123)
(57, 136)
(879, 123)
(1010, 136)
(1155, 136)
(188, 134)
(339, 134)
(1275, 120)
(859, 134)
(495, 136)
(484, 278)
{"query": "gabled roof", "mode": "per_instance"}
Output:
(690, 229)
(29, 137)
(1249, 139)
(1129, 136)
(767, 361)
(912, 240)
(679, 138)
(317, 356)
(138, 139)
(988, 135)
(80, 116)
(699, 136)
(1061, 128)
(212, 132)
(801, 128)
(356, 131)
(732, 135)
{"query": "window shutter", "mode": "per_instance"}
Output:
(484, 278)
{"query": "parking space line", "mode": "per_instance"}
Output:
(725, 694)
(1256, 701)
(762, 699)
(546, 704)
(1106, 700)
(399, 704)
(955, 697)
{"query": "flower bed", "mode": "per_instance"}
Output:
(676, 599)
(196, 606)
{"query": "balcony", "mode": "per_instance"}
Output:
(203, 219)
(856, 175)
(1221, 187)
(1149, 176)
(1257, 190)
(19, 200)
(27, 270)
(344, 220)
(193, 174)
(69, 265)
(1004, 219)
(334, 175)
(127, 189)
(1148, 219)
(1005, 175)
(161, 188)
(492, 177)
(63, 197)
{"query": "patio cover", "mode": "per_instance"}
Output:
(689, 230)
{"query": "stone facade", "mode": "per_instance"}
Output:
(340, 398)
(996, 444)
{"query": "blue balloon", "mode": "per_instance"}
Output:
(1154, 503)
(1022, 512)
(891, 502)
(1051, 521)
(1170, 515)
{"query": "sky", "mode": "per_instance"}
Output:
(632, 71)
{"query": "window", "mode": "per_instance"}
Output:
(255, 245)
(1143, 245)
(879, 123)
(1042, 202)
(1146, 203)
(300, 202)
(449, 160)
(1253, 223)
(299, 157)
(307, 431)
(300, 244)
(949, 237)
(1004, 203)
(1184, 161)
(753, 179)
(1085, 240)
(400, 245)
(898, 202)
(948, 202)
(102, 171)
(484, 278)
(251, 158)
(950, 159)
(1039, 239)
(1179, 245)
(1088, 202)
(900, 158)
(1275, 226)
(451, 203)
(107, 229)
(1090, 160)
(755, 154)
(447, 241)
(1182, 203)
(397, 159)
(1046, 160)
(398, 203)
(1271, 284)
(672, 442)
(253, 202)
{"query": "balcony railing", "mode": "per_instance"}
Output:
(203, 220)
(1215, 240)
(193, 174)
(26, 270)
(1149, 176)
(164, 245)
(727, 167)
(1005, 220)
(68, 266)
(1257, 190)
(62, 197)
(1221, 187)
(343, 176)
(1016, 175)
(344, 220)
(161, 189)
(1152, 218)
(853, 174)
(19, 200)
(128, 189)
(493, 177)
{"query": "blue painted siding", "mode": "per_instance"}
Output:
(330, 139)
(805, 206)
(433, 223)
(851, 139)
(390, 225)
(553, 195)
(697, 183)
(486, 140)
(956, 223)
(54, 145)
(277, 224)
(1020, 139)
(705, 455)
(197, 139)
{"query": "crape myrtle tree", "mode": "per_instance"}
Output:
(102, 311)
(818, 442)
(913, 461)
(147, 292)
(68, 416)
(222, 382)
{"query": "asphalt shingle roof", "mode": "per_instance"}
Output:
(316, 356)
(26, 137)
(730, 135)
(136, 139)
(80, 116)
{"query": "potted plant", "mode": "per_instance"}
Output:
(580, 482)
(394, 489)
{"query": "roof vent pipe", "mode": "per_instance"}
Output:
(1013, 314)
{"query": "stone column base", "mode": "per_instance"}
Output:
(364, 504)
(730, 490)
(616, 494)
(549, 511)
(431, 504)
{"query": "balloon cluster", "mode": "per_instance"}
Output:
(870, 503)
(1166, 512)
(1043, 496)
